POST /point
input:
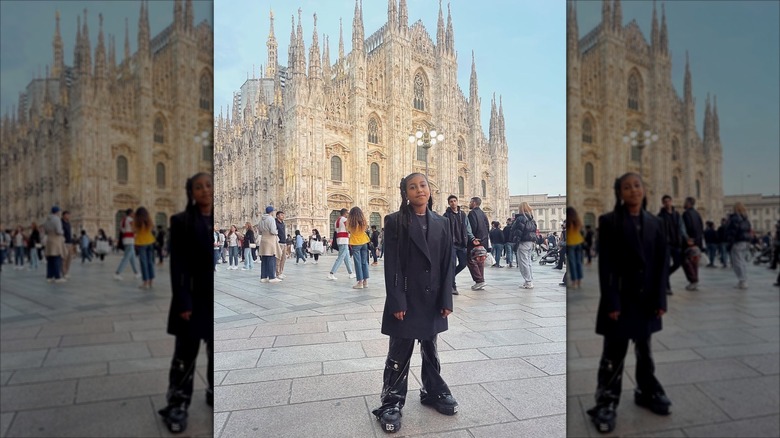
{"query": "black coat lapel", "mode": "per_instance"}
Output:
(634, 239)
(418, 235)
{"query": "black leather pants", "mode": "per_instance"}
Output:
(611, 369)
(182, 373)
(395, 380)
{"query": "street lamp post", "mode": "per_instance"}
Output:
(640, 142)
(426, 140)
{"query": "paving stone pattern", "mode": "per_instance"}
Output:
(717, 357)
(305, 357)
(89, 357)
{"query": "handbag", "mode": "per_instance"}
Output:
(489, 260)
(102, 247)
(317, 247)
(253, 245)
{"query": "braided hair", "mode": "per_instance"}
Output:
(405, 215)
(616, 187)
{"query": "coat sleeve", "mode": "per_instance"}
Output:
(180, 279)
(608, 281)
(662, 259)
(447, 268)
(394, 278)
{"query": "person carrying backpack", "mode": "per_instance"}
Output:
(524, 237)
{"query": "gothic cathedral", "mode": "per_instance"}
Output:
(99, 137)
(312, 139)
(617, 83)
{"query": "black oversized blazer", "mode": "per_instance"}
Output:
(192, 277)
(632, 275)
(418, 278)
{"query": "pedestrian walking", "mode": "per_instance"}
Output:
(358, 240)
(479, 229)
(269, 247)
(341, 237)
(127, 236)
(102, 245)
(144, 243)
(418, 285)
(191, 315)
(232, 242)
(34, 245)
(739, 231)
(497, 242)
(299, 247)
(574, 244)
(316, 245)
(524, 235)
(248, 245)
(633, 265)
(55, 246)
(84, 244)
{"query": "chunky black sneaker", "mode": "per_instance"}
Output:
(175, 417)
(603, 417)
(389, 418)
(657, 402)
(444, 403)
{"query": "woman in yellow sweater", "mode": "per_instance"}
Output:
(574, 241)
(144, 245)
(358, 240)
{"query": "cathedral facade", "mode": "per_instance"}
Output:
(100, 137)
(313, 137)
(618, 82)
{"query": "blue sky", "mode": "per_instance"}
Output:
(520, 50)
(27, 32)
(734, 49)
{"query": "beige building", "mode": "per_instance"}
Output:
(102, 136)
(763, 211)
(549, 211)
(618, 82)
(315, 136)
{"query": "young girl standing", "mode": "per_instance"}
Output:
(418, 280)
(633, 264)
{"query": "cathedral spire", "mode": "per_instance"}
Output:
(403, 16)
(87, 46)
(273, 55)
(236, 108)
(450, 36)
(617, 17)
(326, 73)
(111, 56)
(127, 41)
(715, 120)
(341, 41)
(501, 125)
(493, 129)
(708, 137)
(315, 68)
(654, 37)
(300, 50)
(77, 49)
(291, 49)
(59, 57)
(440, 37)
(100, 52)
(606, 16)
(572, 34)
(143, 30)
(189, 16)
(392, 16)
(687, 87)
(357, 28)
(178, 15)
(473, 88)
(664, 38)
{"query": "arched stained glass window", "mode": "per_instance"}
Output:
(373, 131)
(205, 91)
(160, 173)
(121, 169)
(419, 92)
(589, 177)
(335, 168)
(587, 131)
(374, 174)
(633, 92)
(461, 186)
(159, 130)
